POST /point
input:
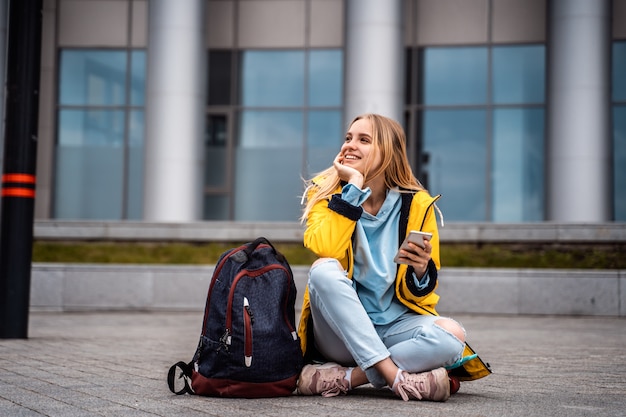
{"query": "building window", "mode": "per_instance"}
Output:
(99, 150)
(445, 85)
(286, 111)
(481, 130)
(455, 142)
(619, 130)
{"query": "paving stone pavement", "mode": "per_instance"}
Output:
(115, 364)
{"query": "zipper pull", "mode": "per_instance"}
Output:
(248, 320)
(225, 340)
(246, 305)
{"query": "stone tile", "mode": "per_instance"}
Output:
(115, 364)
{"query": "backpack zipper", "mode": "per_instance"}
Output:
(248, 321)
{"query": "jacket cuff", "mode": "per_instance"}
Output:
(432, 282)
(340, 206)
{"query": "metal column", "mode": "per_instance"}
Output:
(374, 58)
(20, 154)
(578, 160)
(175, 107)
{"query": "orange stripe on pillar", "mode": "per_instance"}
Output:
(18, 192)
(24, 178)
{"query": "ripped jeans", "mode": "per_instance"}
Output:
(345, 334)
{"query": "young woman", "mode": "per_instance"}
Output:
(366, 319)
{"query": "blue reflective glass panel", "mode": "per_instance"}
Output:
(324, 139)
(92, 77)
(619, 161)
(517, 173)
(89, 165)
(272, 78)
(455, 76)
(619, 71)
(268, 161)
(325, 77)
(91, 128)
(138, 78)
(270, 129)
(519, 74)
(454, 142)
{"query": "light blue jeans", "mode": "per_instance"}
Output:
(345, 334)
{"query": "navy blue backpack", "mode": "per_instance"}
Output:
(249, 346)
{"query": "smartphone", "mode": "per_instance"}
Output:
(416, 237)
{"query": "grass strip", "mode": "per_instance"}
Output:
(604, 256)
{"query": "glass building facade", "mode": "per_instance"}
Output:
(286, 112)
(475, 107)
(98, 158)
(481, 130)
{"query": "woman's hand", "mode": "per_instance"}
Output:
(418, 257)
(347, 173)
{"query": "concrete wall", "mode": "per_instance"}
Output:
(79, 287)
(75, 287)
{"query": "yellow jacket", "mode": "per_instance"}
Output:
(329, 228)
(329, 235)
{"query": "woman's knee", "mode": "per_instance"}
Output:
(324, 270)
(324, 260)
(453, 327)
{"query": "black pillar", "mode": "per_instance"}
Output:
(20, 157)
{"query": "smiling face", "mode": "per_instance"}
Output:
(358, 150)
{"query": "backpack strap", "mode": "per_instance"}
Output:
(407, 199)
(250, 247)
(185, 375)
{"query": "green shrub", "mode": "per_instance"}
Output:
(452, 254)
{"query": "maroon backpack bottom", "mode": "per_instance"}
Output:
(218, 387)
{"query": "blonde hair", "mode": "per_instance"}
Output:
(389, 139)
